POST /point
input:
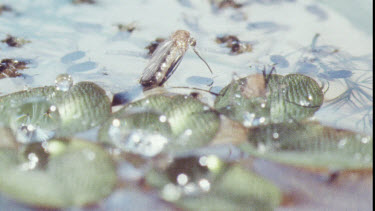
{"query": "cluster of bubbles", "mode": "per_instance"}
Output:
(191, 176)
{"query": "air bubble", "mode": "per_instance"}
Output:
(182, 179)
(342, 143)
(162, 118)
(365, 140)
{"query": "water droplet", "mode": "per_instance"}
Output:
(248, 119)
(162, 118)
(365, 140)
(171, 192)
(188, 132)
(90, 155)
(342, 143)
(203, 161)
(64, 82)
(182, 179)
(116, 123)
(142, 142)
(205, 185)
(304, 103)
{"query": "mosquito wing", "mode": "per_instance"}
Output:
(172, 68)
(163, 62)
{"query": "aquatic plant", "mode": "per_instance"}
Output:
(263, 99)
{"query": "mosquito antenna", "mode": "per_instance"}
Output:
(323, 86)
(268, 76)
(315, 39)
(196, 52)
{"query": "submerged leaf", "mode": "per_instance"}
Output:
(310, 144)
(260, 100)
(74, 174)
(207, 183)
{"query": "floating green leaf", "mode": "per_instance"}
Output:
(207, 183)
(73, 173)
(258, 100)
(35, 120)
(191, 123)
(82, 107)
(310, 144)
(144, 132)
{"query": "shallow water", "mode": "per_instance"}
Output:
(84, 41)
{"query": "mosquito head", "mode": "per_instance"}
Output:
(192, 42)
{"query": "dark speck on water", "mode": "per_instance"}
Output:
(236, 46)
(14, 41)
(5, 8)
(9, 68)
(83, 1)
(127, 27)
(228, 4)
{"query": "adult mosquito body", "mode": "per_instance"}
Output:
(166, 58)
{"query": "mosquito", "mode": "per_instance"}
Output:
(167, 57)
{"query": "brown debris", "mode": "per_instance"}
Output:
(9, 68)
(83, 1)
(14, 41)
(236, 46)
(153, 45)
(5, 8)
(221, 4)
(127, 27)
